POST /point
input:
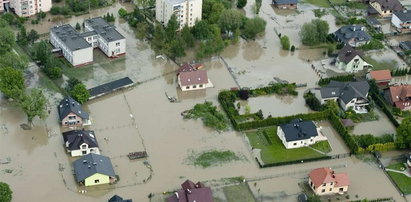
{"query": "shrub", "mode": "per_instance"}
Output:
(285, 42)
(241, 3)
(374, 44)
(312, 101)
(53, 72)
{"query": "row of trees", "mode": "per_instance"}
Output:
(77, 6)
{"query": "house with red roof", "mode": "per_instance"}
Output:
(381, 77)
(192, 192)
(193, 80)
(399, 96)
(325, 181)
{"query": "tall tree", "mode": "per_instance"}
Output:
(42, 51)
(5, 192)
(6, 39)
(403, 138)
(172, 27)
(12, 82)
(202, 30)
(11, 59)
(258, 6)
(230, 20)
(32, 36)
(158, 42)
(187, 37)
(314, 32)
(22, 37)
(80, 93)
(253, 27)
(34, 104)
(212, 10)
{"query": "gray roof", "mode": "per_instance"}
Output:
(346, 91)
(404, 16)
(89, 33)
(70, 37)
(111, 86)
(348, 32)
(91, 164)
(347, 53)
(105, 30)
(406, 45)
(76, 138)
(373, 21)
(69, 105)
(389, 5)
(299, 130)
(117, 198)
(281, 2)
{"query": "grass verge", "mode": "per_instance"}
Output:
(402, 181)
(397, 166)
(379, 65)
(323, 146)
(237, 193)
(320, 3)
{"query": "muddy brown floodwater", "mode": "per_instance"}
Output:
(380, 127)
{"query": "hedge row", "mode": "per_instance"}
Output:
(379, 100)
(343, 78)
(343, 132)
(293, 162)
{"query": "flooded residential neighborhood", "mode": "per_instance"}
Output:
(153, 141)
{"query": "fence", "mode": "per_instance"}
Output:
(336, 156)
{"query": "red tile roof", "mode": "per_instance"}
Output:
(187, 67)
(381, 75)
(320, 176)
(401, 95)
(193, 78)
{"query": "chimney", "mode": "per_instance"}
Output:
(89, 166)
(176, 193)
(188, 191)
(84, 161)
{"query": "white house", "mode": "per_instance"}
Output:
(353, 35)
(81, 142)
(351, 60)
(26, 8)
(401, 20)
(193, 80)
(347, 94)
(186, 11)
(107, 38)
(299, 133)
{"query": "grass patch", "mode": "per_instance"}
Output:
(212, 158)
(320, 3)
(237, 193)
(397, 166)
(323, 146)
(402, 181)
(381, 65)
(47, 83)
(81, 73)
(276, 151)
(209, 115)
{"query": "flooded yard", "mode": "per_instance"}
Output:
(378, 128)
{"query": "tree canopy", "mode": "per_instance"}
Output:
(403, 138)
(34, 104)
(314, 32)
(80, 93)
(5, 192)
(230, 20)
(12, 82)
(7, 40)
(253, 27)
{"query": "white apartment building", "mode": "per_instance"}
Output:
(77, 48)
(26, 8)
(186, 11)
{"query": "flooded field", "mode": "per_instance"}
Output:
(387, 55)
(380, 127)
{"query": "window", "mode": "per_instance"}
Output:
(324, 185)
(200, 86)
(295, 144)
(323, 190)
(331, 189)
(341, 189)
(331, 183)
(118, 44)
(84, 152)
(187, 87)
(311, 140)
(96, 181)
(194, 86)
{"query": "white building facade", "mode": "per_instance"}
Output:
(401, 20)
(299, 143)
(27, 8)
(186, 11)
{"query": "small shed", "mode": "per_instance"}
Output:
(347, 123)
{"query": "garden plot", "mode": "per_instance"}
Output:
(378, 128)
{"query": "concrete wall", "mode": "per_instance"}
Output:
(82, 56)
(102, 179)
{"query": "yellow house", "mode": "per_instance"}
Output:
(325, 181)
(94, 169)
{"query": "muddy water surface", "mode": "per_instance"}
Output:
(380, 127)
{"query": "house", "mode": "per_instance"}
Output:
(191, 192)
(348, 123)
(117, 198)
(299, 133)
(285, 4)
(193, 80)
(81, 142)
(401, 20)
(399, 96)
(188, 11)
(386, 8)
(325, 181)
(109, 87)
(382, 77)
(347, 94)
(93, 169)
(351, 60)
(353, 35)
(24, 8)
(405, 46)
(71, 114)
(77, 47)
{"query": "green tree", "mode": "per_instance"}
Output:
(313, 198)
(142, 30)
(322, 29)
(78, 26)
(236, 36)
(71, 83)
(187, 37)
(6, 39)
(212, 10)
(80, 93)
(42, 51)
(403, 139)
(241, 3)
(34, 104)
(12, 82)
(172, 27)
(157, 44)
(314, 32)
(32, 36)
(53, 72)
(177, 49)
(5, 192)
(285, 42)
(202, 30)
(22, 37)
(253, 27)
(258, 6)
(230, 20)
(122, 12)
(11, 59)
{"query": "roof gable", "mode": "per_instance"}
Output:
(76, 138)
(91, 164)
(347, 90)
(381, 75)
(193, 77)
(69, 105)
(349, 32)
(320, 176)
(388, 5)
(348, 53)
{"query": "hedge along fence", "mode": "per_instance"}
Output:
(379, 100)
(292, 162)
(343, 78)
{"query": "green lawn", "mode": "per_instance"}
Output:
(80, 73)
(402, 181)
(320, 3)
(323, 146)
(380, 65)
(238, 193)
(273, 150)
(397, 166)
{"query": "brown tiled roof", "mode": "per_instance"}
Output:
(400, 95)
(326, 175)
(381, 75)
(193, 78)
(347, 53)
(187, 67)
(386, 5)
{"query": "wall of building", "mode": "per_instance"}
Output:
(352, 66)
(102, 179)
(286, 6)
(79, 152)
(82, 56)
(26, 8)
(187, 12)
(78, 120)
(116, 47)
(326, 189)
(294, 144)
(377, 7)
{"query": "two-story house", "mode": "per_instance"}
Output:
(353, 35)
(382, 77)
(94, 169)
(351, 60)
(71, 113)
(386, 8)
(325, 181)
(347, 94)
(401, 20)
(399, 96)
(299, 133)
(81, 142)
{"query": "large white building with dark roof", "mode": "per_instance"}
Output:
(77, 47)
